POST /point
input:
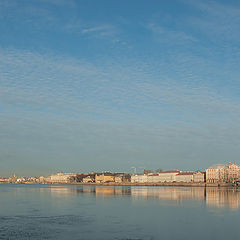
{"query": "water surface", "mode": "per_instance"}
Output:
(115, 212)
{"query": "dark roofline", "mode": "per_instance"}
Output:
(171, 171)
(185, 173)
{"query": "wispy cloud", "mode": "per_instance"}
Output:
(44, 17)
(163, 34)
(58, 82)
(207, 28)
(57, 107)
(218, 21)
(182, 105)
(98, 29)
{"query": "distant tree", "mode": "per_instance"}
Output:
(159, 170)
(77, 178)
(72, 179)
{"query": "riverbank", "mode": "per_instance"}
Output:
(167, 184)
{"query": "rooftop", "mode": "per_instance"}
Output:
(185, 173)
(171, 171)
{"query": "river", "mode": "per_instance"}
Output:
(120, 213)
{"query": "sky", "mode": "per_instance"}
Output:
(89, 85)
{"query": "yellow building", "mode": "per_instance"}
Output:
(223, 173)
(232, 172)
(104, 178)
(118, 179)
(216, 174)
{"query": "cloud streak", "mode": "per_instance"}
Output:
(170, 101)
(58, 108)
(49, 82)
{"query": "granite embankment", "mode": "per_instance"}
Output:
(182, 184)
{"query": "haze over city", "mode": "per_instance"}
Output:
(107, 85)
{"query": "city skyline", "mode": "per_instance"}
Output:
(90, 85)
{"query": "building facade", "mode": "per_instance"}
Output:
(223, 173)
(199, 177)
(186, 177)
(88, 179)
(104, 178)
(167, 176)
(60, 178)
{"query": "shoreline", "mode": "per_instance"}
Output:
(166, 184)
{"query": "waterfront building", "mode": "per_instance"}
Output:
(142, 178)
(233, 172)
(118, 179)
(166, 176)
(104, 178)
(199, 177)
(221, 173)
(153, 178)
(186, 177)
(61, 178)
(4, 180)
(41, 180)
(88, 179)
(20, 180)
(13, 179)
(216, 173)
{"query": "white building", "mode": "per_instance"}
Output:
(139, 178)
(186, 177)
(167, 176)
(199, 177)
(60, 177)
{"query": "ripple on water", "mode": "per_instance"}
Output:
(39, 227)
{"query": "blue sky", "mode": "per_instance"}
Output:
(106, 85)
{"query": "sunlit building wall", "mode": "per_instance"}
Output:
(139, 178)
(199, 177)
(216, 174)
(186, 177)
(60, 178)
(104, 178)
(167, 176)
(223, 173)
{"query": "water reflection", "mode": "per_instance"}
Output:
(222, 198)
(213, 197)
(120, 212)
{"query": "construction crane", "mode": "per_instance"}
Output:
(135, 169)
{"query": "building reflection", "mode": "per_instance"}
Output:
(223, 198)
(170, 193)
(213, 197)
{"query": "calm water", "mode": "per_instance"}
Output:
(106, 212)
